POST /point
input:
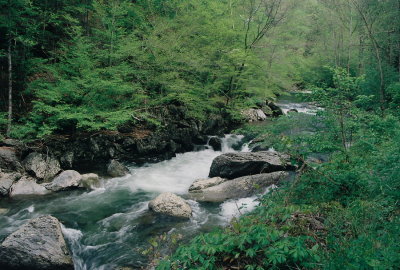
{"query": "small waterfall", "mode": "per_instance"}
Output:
(73, 236)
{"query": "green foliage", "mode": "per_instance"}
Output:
(341, 213)
(258, 241)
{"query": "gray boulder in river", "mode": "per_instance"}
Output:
(218, 190)
(170, 204)
(66, 180)
(27, 186)
(39, 244)
(233, 165)
(90, 180)
(116, 169)
(41, 166)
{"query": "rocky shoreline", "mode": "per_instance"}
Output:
(36, 169)
(40, 244)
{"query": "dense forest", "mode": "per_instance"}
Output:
(70, 66)
(86, 66)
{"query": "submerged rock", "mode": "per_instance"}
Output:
(69, 179)
(171, 205)
(234, 189)
(6, 181)
(27, 186)
(39, 244)
(116, 169)
(233, 165)
(41, 166)
(215, 143)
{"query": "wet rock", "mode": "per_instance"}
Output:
(200, 139)
(116, 169)
(254, 115)
(267, 111)
(277, 111)
(205, 183)
(41, 166)
(89, 180)
(39, 244)
(67, 160)
(293, 111)
(259, 148)
(6, 181)
(237, 188)
(215, 143)
(69, 179)
(171, 205)
(9, 160)
(27, 186)
(3, 211)
(233, 165)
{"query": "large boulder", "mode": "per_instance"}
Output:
(116, 169)
(69, 179)
(254, 115)
(237, 188)
(41, 166)
(215, 143)
(9, 160)
(27, 186)
(170, 204)
(233, 165)
(6, 181)
(39, 244)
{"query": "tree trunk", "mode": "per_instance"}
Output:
(378, 56)
(9, 89)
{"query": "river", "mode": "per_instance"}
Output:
(109, 226)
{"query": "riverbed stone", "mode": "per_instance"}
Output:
(66, 180)
(170, 204)
(233, 165)
(116, 169)
(41, 166)
(38, 244)
(89, 180)
(215, 143)
(27, 186)
(241, 187)
(205, 183)
(276, 110)
(6, 181)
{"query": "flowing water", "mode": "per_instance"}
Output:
(109, 226)
(293, 101)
